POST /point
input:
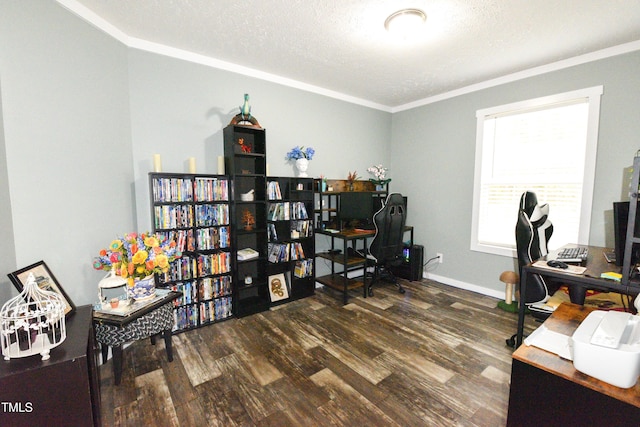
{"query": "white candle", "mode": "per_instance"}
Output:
(157, 163)
(192, 165)
(220, 165)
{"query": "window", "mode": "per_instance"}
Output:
(545, 145)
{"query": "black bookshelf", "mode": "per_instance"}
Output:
(193, 210)
(290, 232)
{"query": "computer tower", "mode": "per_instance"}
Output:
(411, 267)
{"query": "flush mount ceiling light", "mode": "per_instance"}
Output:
(405, 22)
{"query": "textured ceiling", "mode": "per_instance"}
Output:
(341, 45)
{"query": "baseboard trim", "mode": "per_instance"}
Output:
(464, 285)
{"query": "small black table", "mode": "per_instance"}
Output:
(114, 330)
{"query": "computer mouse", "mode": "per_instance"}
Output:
(557, 264)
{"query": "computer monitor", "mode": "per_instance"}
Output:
(356, 208)
(620, 222)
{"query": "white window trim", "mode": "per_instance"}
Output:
(594, 95)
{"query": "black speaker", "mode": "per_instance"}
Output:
(411, 267)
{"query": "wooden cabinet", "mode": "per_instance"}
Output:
(290, 231)
(245, 163)
(193, 210)
(63, 390)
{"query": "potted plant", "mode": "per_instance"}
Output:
(352, 177)
(301, 157)
(379, 172)
(136, 258)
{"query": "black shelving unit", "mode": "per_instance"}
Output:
(290, 232)
(245, 163)
(193, 210)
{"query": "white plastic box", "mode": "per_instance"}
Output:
(617, 366)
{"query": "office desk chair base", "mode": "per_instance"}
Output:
(389, 278)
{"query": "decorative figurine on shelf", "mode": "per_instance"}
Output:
(245, 118)
(351, 179)
(248, 220)
(245, 148)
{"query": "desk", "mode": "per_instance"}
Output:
(596, 264)
(61, 391)
(350, 261)
(547, 390)
(153, 319)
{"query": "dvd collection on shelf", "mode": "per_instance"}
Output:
(284, 211)
(173, 216)
(209, 215)
(213, 238)
(172, 190)
(273, 191)
(301, 228)
(193, 210)
(211, 189)
(303, 268)
(283, 252)
(183, 238)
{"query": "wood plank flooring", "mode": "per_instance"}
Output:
(435, 356)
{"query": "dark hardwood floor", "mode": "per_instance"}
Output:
(435, 356)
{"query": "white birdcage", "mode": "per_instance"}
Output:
(32, 323)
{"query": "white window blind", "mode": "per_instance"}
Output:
(546, 146)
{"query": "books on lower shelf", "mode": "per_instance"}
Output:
(283, 211)
(273, 191)
(300, 229)
(283, 252)
(303, 268)
(247, 253)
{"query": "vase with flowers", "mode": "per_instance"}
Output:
(352, 177)
(136, 258)
(301, 157)
(380, 174)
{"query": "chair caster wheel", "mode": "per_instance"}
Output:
(401, 290)
(370, 293)
(511, 342)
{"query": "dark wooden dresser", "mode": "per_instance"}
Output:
(64, 390)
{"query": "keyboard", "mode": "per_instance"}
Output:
(575, 254)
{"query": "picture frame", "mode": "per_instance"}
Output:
(46, 281)
(278, 289)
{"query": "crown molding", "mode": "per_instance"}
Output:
(135, 43)
(531, 72)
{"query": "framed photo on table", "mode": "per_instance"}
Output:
(278, 287)
(45, 280)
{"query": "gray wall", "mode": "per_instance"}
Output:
(67, 140)
(179, 109)
(83, 115)
(437, 144)
(7, 251)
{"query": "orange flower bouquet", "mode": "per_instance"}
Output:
(136, 256)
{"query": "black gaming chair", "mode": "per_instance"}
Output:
(533, 231)
(386, 247)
